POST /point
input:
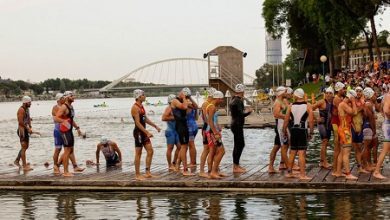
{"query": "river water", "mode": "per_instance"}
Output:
(115, 123)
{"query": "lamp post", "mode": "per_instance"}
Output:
(287, 70)
(388, 40)
(323, 59)
(227, 95)
(254, 98)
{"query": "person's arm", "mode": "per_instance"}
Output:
(286, 120)
(311, 119)
(116, 149)
(98, 147)
(76, 127)
(149, 122)
(210, 115)
(54, 111)
(318, 104)
(137, 121)
(176, 104)
(61, 111)
(20, 116)
(277, 111)
(167, 116)
(371, 117)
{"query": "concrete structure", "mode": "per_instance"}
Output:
(273, 50)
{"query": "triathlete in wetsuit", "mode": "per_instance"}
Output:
(171, 134)
(111, 152)
(24, 130)
(324, 123)
(357, 128)
(179, 110)
(345, 137)
(65, 116)
(206, 148)
(339, 95)
(238, 115)
(141, 135)
(300, 113)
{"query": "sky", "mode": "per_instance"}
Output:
(104, 40)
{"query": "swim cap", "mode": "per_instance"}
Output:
(280, 90)
(59, 96)
(358, 88)
(103, 140)
(138, 93)
(186, 91)
(218, 95)
(171, 97)
(339, 86)
(211, 91)
(68, 94)
(368, 93)
(26, 99)
(239, 88)
(329, 89)
(289, 90)
(351, 93)
(299, 93)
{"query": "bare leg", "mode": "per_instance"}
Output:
(302, 165)
(324, 162)
(272, 157)
(220, 152)
(375, 150)
(76, 168)
(284, 153)
(203, 158)
(191, 145)
(339, 164)
(23, 156)
(137, 162)
(65, 160)
(56, 154)
(385, 151)
(346, 153)
(210, 159)
(358, 156)
(149, 157)
(366, 155)
(290, 163)
(169, 155)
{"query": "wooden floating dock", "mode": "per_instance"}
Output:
(255, 180)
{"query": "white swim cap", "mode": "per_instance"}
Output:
(171, 97)
(280, 90)
(211, 91)
(68, 94)
(138, 93)
(59, 96)
(218, 95)
(239, 88)
(186, 91)
(351, 93)
(103, 140)
(339, 86)
(289, 90)
(26, 99)
(358, 88)
(368, 93)
(329, 89)
(299, 93)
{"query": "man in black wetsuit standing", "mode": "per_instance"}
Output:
(238, 114)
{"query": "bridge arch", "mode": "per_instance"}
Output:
(199, 71)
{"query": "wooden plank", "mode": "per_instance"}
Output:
(321, 175)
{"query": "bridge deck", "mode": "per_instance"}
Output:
(256, 179)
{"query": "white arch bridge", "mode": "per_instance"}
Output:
(168, 73)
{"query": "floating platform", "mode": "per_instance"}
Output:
(255, 180)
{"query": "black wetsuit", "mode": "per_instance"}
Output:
(181, 123)
(237, 127)
(67, 137)
(140, 137)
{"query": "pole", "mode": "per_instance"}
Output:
(323, 73)
(283, 75)
(273, 76)
(277, 72)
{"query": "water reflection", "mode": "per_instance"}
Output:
(93, 205)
